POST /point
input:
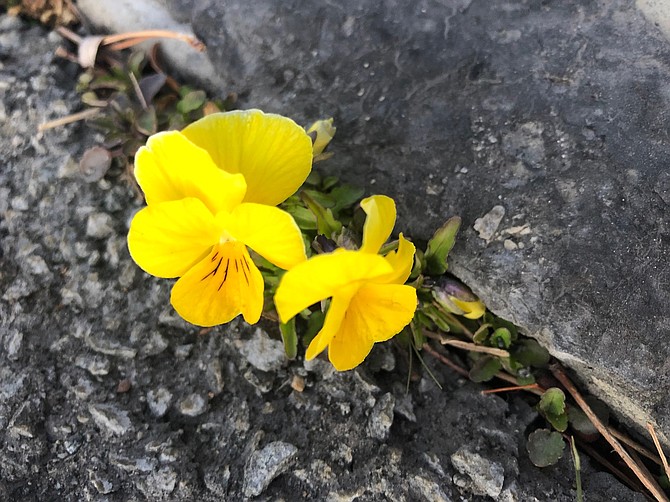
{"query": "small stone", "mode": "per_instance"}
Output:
(103, 344)
(97, 366)
(193, 405)
(183, 351)
(155, 344)
(19, 203)
(124, 386)
(102, 485)
(488, 224)
(265, 465)
(99, 225)
(144, 464)
(110, 418)
(214, 377)
(13, 343)
(159, 484)
(216, 480)
(263, 352)
(510, 245)
(487, 477)
(298, 383)
(159, 401)
(381, 418)
(36, 265)
(428, 490)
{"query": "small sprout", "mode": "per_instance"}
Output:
(545, 447)
(501, 338)
(191, 102)
(552, 406)
(440, 245)
(482, 334)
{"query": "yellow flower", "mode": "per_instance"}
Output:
(211, 191)
(370, 302)
(323, 131)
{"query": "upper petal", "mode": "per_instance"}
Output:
(221, 286)
(379, 223)
(324, 276)
(272, 152)
(402, 261)
(167, 238)
(376, 313)
(269, 231)
(170, 167)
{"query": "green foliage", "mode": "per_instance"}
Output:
(485, 368)
(552, 406)
(530, 353)
(290, 338)
(440, 245)
(545, 447)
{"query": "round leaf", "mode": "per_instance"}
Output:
(545, 447)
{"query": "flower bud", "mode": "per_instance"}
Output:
(321, 131)
(457, 298)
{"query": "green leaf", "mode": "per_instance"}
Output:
(290, 338)
(346, 196)
(330, 182)
(530, 353)
(485, 368)
(191, 101)
(325, 221)
(302, 216)
(552, 406)
(146, 122)
(437, 317)
(321, 198)
(482, 334)
(440, 245)
(545, 447)
(501, 338)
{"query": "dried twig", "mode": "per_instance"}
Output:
(657, 443)
(634, 444)
(531, 386)
(68, 119)
(445, 360)
(640, 471)
(472, 347)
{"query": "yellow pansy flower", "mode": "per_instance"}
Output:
(211, 191)
(369, 301)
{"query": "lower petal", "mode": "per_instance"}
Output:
(168, 238)
(376, 313)
(220, 287)
(334, 317)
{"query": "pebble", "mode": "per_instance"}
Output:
(193, 405)
(159, 484)
(110, 418)
(216, 480)
(36, 265)
(381, 418)
(510, 245)
(102, 485)
(266, 464)
(99, 225)
(487, 477)
(103, 344)
(159, 401)
(13, 343)
(97, 366)
(487, 225)
(155, 344)
(428, 490)
(263, 352)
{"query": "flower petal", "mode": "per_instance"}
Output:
(272, 152)
(166, 239)
(268, 230)
(402, 261)
(472, 310)
(334, 316)
(219, 287)
(379, 223)
(170, 167)
(323, 276)
(376, 313)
